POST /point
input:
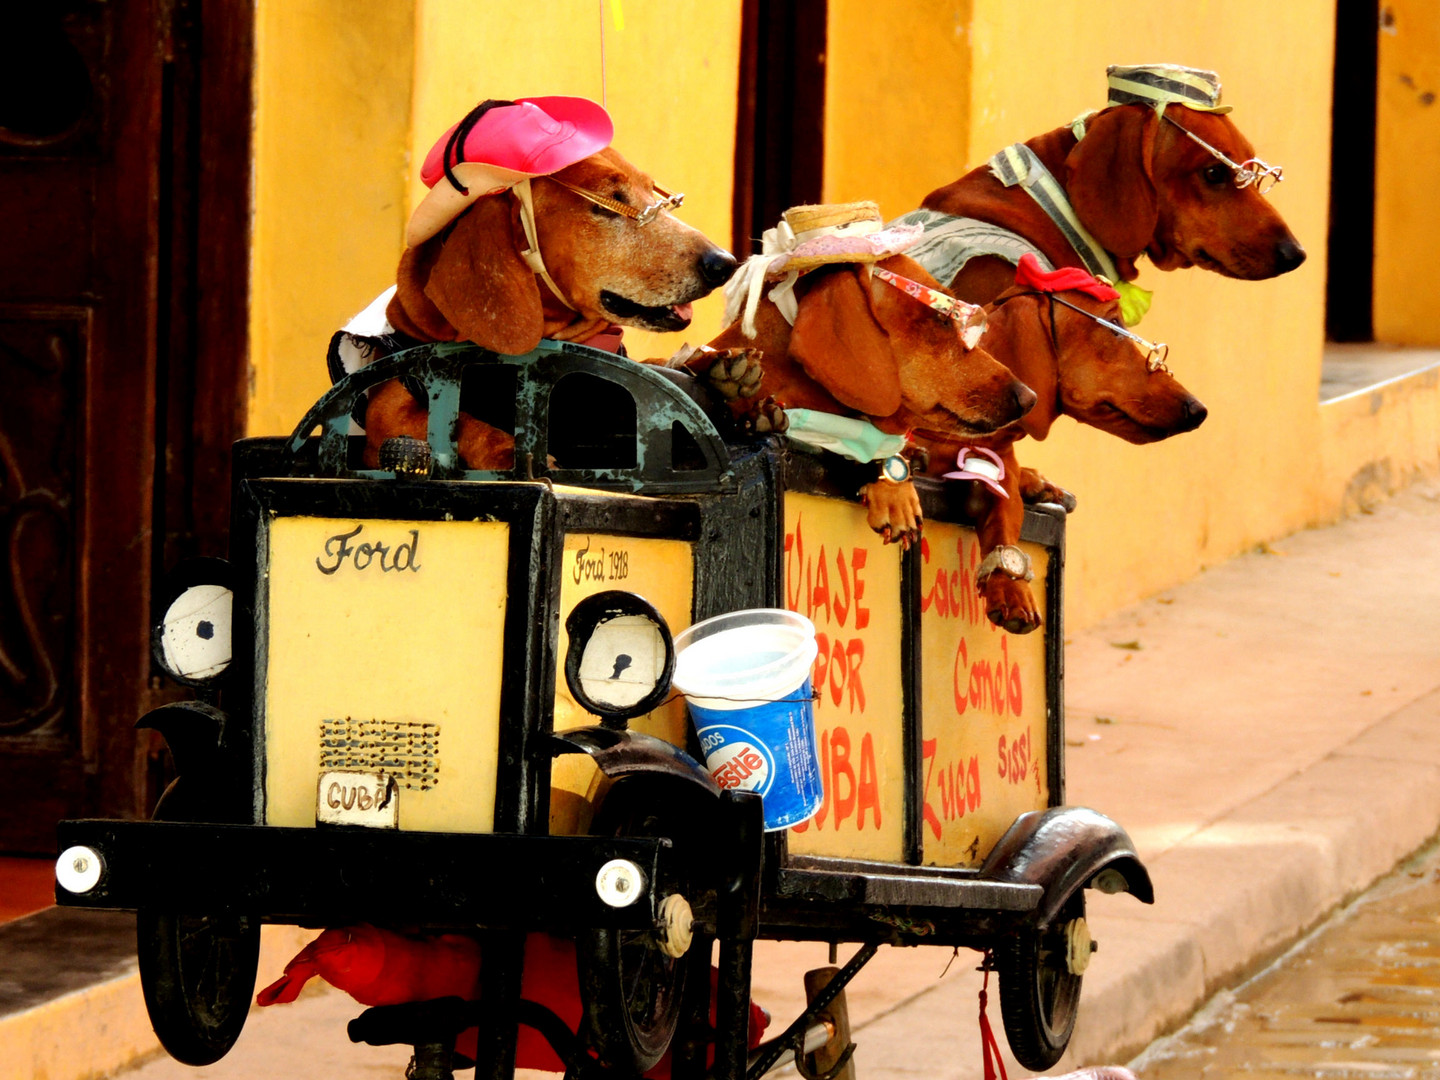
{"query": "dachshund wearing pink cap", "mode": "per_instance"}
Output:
(535, 228)
(861, 346)
(1060, 333)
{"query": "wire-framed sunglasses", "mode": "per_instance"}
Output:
(970, 317)
(1155, 353)
(644, 216)
(1252, 171)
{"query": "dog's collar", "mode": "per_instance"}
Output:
(531, 253)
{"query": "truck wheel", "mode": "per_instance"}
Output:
(1039, 988)
(197, 971)
(198, 975)
(630, 986)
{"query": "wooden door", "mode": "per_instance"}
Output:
(121, 358)
(780, 121)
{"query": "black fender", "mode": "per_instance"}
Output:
(621, 754)
(207, 786)
(1063, 849)
(193, 730)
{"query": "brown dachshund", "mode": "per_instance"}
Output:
(860, 347)
(1078, 368)
(1139, 185)
(470, 283)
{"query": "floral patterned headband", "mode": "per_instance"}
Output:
(971, 317)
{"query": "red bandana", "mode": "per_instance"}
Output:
(1029, 275)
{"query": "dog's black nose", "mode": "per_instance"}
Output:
(716, 266)
(1288, 255)
(1195, 413)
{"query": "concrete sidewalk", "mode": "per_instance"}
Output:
(1269, 733)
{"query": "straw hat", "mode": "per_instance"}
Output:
(811, 236)
(506, 143)
(807, 237)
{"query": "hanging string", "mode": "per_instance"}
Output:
(604, 102)
(989, 1046)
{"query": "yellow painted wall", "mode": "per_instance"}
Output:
(1407, 160)
(332, 115)
(1150, 516)
(350, 97)
(897, 99)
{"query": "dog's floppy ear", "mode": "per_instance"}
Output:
(477, 282)
(1018, 334)
(410, 310)
(1108, 179)
(842, 346)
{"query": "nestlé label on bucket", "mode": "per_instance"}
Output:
(737, 759)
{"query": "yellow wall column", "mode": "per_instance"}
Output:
(1407, 158)
(897, 100)
(332, 116)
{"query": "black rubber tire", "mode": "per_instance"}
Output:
(1039, 997)
(632, 991)
(198, 975)
(197, 972)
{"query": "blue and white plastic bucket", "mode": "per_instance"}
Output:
(746, 678)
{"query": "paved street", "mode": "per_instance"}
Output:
(1359, 997)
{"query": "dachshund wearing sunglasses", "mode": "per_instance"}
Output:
(1066, 343)
(862, 347)
(1184, 190)
(612, 251)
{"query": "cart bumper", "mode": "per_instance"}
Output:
(333, 876)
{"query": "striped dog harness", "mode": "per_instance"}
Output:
(950, 242)
(1019, 164)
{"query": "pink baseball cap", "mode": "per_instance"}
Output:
(507, 144)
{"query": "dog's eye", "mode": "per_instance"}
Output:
(1217, 174)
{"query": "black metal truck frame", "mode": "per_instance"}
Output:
(209, 870)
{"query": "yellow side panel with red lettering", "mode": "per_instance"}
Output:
(383, 654)
(840, 576)
(661, 571)
(983, 702)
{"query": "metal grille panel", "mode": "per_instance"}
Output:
(406, 750)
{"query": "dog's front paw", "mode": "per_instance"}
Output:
(893, 511)
(1010, 604)
(732, 373)
(765, 417)
(1034, 488)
